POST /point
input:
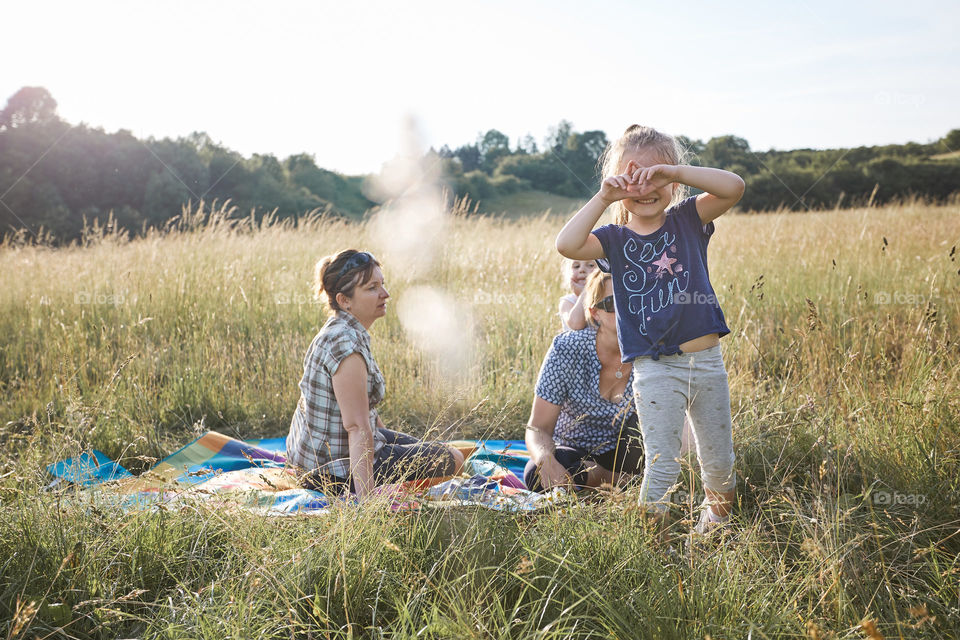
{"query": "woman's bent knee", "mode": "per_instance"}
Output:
(458, 460)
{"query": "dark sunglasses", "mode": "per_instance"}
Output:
(357, 260)
(606, 304)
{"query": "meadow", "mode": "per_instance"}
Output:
(844, 383)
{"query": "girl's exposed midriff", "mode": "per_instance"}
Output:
(701, 343)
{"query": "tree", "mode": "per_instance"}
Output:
(727, 151)
(28, 105)
(543, 171)
(267, 164)
(592, 144)
(693, 149)
(527, 145)
(492, 140)
(951, 141)
(469, 157)
(580, 156)
(557, 136)
(180, 158)
(326, 185)
(164, 195)
(492, 145)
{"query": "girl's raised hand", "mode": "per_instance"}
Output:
(651, 178)
(617, 188)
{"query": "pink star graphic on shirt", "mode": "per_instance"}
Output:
(664, 264)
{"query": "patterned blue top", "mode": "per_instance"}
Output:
(661, 285)
(570, 378)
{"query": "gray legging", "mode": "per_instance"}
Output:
(664, 390)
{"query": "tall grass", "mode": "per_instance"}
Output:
(844, 384)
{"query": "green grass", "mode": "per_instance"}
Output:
(530, 202)
(846, 398)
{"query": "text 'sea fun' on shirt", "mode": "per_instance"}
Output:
(661, 285)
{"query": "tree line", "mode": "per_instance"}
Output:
(798, 179)
(54, 175)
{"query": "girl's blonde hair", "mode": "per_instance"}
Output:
(635, 138)
(594, 290)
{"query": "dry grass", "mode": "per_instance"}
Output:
(843, 378)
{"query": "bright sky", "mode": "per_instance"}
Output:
(338, 79)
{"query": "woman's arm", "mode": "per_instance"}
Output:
(350, 390)
(539, 439)
(722, 188)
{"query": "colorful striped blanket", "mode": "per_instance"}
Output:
(251, 475)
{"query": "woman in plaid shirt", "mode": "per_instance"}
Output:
(336, 438)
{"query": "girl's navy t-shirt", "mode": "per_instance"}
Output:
(661, 285)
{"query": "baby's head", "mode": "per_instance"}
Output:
(575, 273)
(639, 142)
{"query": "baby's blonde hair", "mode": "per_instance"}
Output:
(635, 138)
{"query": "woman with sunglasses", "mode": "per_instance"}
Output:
(583, 429)
(337, 441)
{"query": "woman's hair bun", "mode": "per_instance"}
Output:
(333, 275)
(319, 273)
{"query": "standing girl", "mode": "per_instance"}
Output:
(669, 323)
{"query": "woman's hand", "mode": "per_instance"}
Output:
(552, 474)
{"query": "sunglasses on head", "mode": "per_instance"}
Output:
(606, 304)
(357, 260)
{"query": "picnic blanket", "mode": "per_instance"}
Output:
(250, 474)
